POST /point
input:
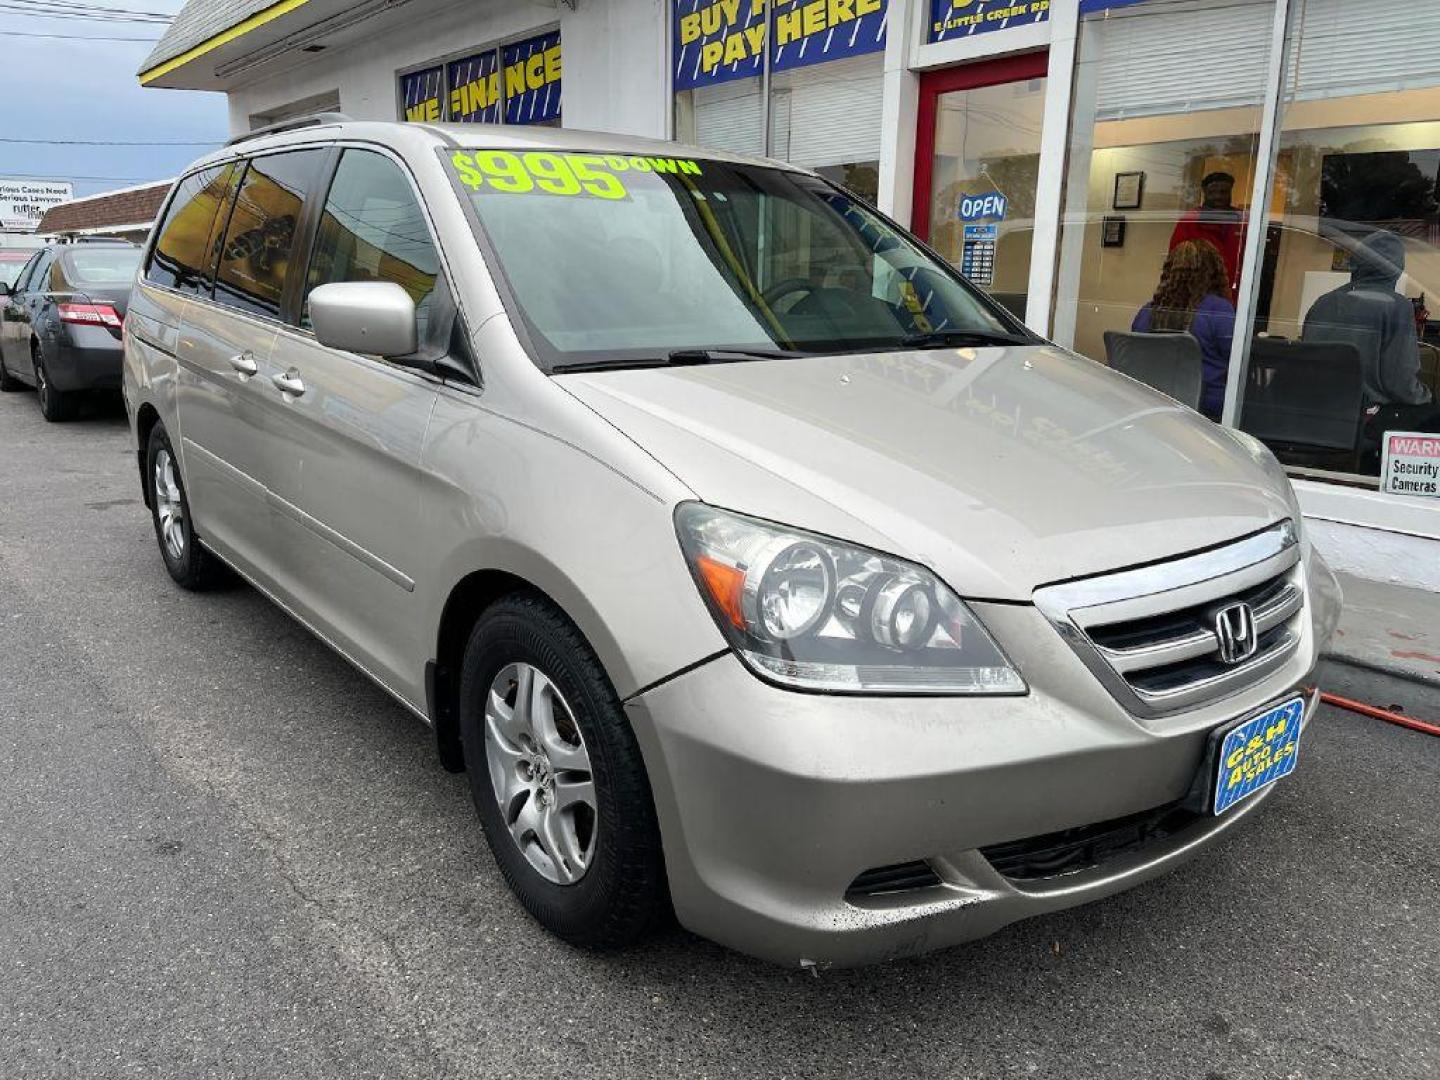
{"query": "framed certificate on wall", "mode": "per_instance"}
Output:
(1129, 191)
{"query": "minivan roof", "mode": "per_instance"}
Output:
(420, 137)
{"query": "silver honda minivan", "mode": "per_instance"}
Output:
(751, 563)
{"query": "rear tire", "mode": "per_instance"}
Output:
(55, 405)
(186, 558)
(607, 886)
(8, 383)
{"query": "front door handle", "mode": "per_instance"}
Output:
(244, 363)
(288, 382)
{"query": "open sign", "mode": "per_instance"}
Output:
(979, 207)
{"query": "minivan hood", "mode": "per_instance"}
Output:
(1002, 469)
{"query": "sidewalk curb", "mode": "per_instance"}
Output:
(1404, 674)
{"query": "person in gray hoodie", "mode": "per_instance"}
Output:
(1379, 321)
(1370, 314)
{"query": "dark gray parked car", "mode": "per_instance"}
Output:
(62, 321)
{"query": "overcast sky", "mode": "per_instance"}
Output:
(64, 88)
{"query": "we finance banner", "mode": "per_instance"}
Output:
(420, 93)
(720, 40)
(532, 79)
(475, 89)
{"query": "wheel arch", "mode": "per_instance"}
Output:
(146, 417)
(465, 603)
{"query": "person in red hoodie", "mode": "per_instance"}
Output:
(1218, 223)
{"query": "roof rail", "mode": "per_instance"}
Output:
(313, 120)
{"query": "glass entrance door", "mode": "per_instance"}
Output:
(977, 158)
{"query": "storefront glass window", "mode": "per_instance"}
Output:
(827, 118)
(1345, 343)
(724, 117)
(825, 90)
(982, 189)
(716, 67)
(1168, 103)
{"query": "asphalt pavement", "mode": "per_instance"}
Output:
(223, 853)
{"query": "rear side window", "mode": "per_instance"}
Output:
(260, 239)
(180, 260)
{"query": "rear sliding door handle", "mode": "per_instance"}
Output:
(244, 363)
(288, 382)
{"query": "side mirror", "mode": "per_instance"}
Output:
(374, 317)
(4, 289)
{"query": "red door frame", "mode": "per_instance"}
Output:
(970, 76)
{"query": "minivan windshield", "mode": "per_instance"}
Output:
(616, 259)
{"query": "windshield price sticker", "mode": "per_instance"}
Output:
(593, 175)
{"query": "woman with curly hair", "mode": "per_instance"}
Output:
(1194, 297)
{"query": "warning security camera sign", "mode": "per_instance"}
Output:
(1410, 463)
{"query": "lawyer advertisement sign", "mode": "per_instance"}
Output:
(24, 202)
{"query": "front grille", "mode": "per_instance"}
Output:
(1072, 850)
(1150, 633)
(902, 877)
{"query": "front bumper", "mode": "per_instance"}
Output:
(772, 802)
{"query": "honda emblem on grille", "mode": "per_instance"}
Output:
(1235, 630)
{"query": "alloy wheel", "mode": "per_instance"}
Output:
(540, 773)
(169, 507)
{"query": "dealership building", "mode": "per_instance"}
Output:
(1056, 152)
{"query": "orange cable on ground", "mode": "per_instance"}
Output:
(1380, 714)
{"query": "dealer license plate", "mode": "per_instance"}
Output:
(1258, 752)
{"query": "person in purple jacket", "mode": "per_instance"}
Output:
(1194, 297)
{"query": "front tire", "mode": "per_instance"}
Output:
(55, 405)
(8, 383)
(186, 559)
(557, 777)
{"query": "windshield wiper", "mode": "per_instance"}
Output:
(724, 356)
(679, 358)
(939, 339)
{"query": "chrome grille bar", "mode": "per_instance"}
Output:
(1202, 641)
(1149, 634)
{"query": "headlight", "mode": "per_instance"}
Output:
(820, 615)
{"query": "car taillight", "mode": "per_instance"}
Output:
(93, 314)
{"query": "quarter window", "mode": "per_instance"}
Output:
(179, 260)
(22, 281)
(260, 237)
(372, 229)
(36, 281)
